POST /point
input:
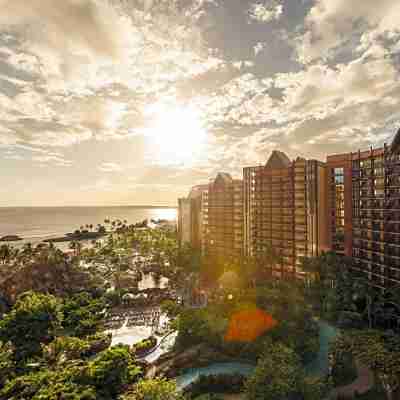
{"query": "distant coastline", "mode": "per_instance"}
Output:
(36, 224)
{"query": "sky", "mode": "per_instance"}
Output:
(126, 102)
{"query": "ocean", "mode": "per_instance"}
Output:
(39, 223)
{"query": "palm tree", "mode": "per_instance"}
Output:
(27, 251)
(76, 246)
(5, 253)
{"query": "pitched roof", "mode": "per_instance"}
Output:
(278, 159)
(223, 177)
(395, 146)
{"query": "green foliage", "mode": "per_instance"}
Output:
(49, 385)
(144, 346)
(82, 314)
(377, 350)
(7, 363)
(33, 320)
(26, 386)
(278, 374)
(324, 274)
(104, 377)
(66, 348)
(155, 389)
(343, 366)
(193, 328)
(221, 383)
(171, 308)
(113, 368)
(210, 396)
(315, 388)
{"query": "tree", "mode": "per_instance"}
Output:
(155, 389)
(33, 320)
(5, 253)
(7, 364)
(171, 308)
(377, 350)
(266, 260)
(82, 314)
(113, 368)
(278, 374)
(76, 246)
(193, 328)
(323, 274)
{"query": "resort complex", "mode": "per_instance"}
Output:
(349, 204)
(199, 200)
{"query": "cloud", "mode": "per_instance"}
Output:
(320, 90)
(95, 80)
(54, 159)
(76, 25)
(265, 12)
(110, 167)
(331, 23)
(260, 46)
(257, 74)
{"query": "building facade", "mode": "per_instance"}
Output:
(340, 203)
(376, 216)
(223, 219)
(190, 217)
(299, 208)
(364, 211)
(285, 209)
(184, 220)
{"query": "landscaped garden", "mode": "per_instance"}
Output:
(254, 337)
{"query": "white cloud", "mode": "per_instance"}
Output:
(80, 26)
(68, 75)
(260, 46)
(53, 159)
(330, 23)
(110, 167)
(265, 12)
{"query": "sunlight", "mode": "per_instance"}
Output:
(176, 135)
(169, 214)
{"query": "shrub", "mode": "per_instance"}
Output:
(221, 383)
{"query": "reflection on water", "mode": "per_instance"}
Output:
(193, 374)
(164, 213)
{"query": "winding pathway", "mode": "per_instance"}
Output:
(364, 383)
(318, 367)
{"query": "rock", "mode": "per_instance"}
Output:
(10, 238)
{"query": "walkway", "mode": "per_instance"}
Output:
(156, 348)
(318, 367)
(361, 385)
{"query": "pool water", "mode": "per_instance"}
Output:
(318, 367)
(193, 374)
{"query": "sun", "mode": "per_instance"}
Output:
(176, 135)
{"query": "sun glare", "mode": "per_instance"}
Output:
(176, 135)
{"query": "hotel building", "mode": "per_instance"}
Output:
(365, 212)
(223, 218)
(285, 209)
(340, 203)
(190, 217)
(350, 204)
